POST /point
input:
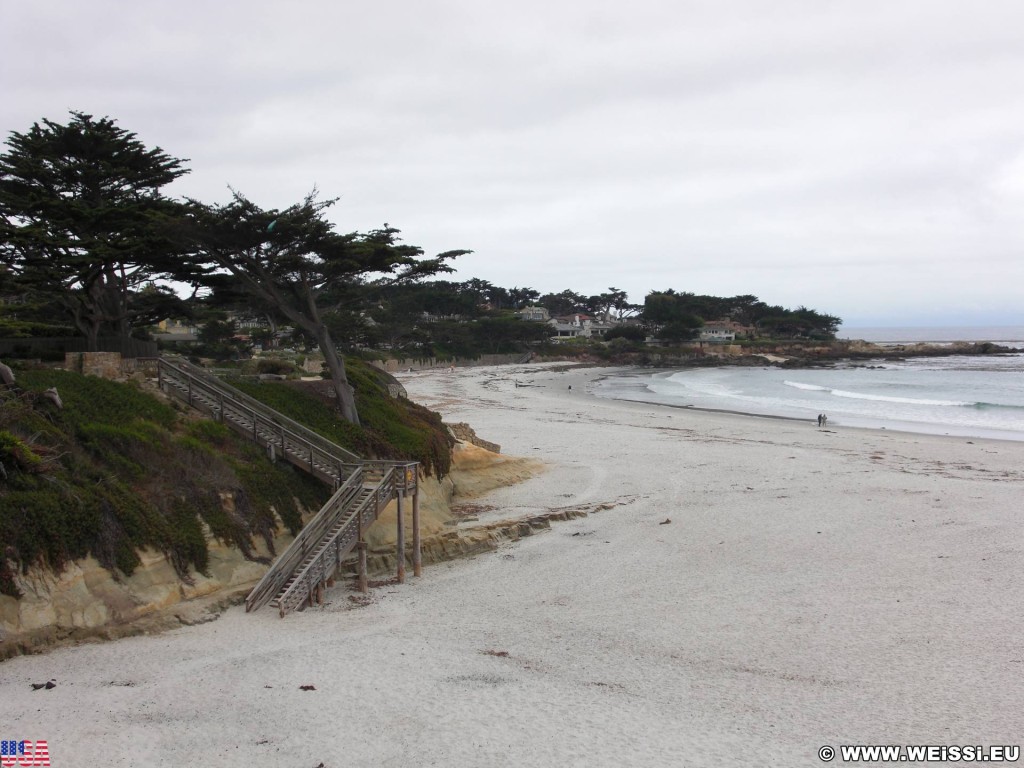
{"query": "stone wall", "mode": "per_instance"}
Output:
(429, 363)
(107, 365)
(465, 433)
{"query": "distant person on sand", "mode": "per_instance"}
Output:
(824, 420)
(820, 417)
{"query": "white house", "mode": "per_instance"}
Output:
(721, 330)
(537, 314)
(584, 326)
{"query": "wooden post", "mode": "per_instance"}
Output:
(400, 544)
(364, 585)
(417, 558)
(361, 546)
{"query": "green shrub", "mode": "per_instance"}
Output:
(275, 366)
(391, 428)
(115, 471)
(15, 453)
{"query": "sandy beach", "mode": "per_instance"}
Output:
(745, 591)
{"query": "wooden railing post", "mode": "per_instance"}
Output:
(361, 546)
(400, 545)
(417, 557)
(364, 584)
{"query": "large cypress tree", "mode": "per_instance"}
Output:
(293, 261)
(82, 222)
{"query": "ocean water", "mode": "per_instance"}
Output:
(1005, 335)
(979, 396)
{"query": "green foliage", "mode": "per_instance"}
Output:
(400, 428)
(302, 405)
(90, 399)
(627, 332)
(15, 453)
(275, 366)
(115, 472)
(567, 302)
(801, 323)
(213, 433)
(264, 492)
(81, 220)
(391, 428)
(294, 261)
(668, 308)
(682, 328)
(26, 329)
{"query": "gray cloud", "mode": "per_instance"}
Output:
(864, 159)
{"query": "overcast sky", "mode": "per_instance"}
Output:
(864, 158)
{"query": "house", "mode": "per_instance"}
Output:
(578, 325)
(537, 314)
(722, 331)
(175, 331)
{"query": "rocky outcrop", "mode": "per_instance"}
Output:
(475, 471)
(466, 434)
(86, 600)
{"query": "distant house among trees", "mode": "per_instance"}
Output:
(537, 314)
(175, 331)
(722, 331)
(579, 325)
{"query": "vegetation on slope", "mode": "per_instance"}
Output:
(116, 470)
(391, 428)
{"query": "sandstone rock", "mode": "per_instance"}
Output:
(86, 600)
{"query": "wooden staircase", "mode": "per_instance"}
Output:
(362, 489)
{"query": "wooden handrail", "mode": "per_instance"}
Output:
(203, 378)
(311, 533)
(338, 525)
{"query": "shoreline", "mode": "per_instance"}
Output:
(748, 592)
(894, 426)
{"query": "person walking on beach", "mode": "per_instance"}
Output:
(824, 420)
(820, 417)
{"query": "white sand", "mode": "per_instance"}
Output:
(813, 587)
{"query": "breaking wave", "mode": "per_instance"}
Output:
(881, 398)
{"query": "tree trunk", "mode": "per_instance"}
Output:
(92, 333)
(336, 365)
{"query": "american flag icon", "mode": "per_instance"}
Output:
(21, 752)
